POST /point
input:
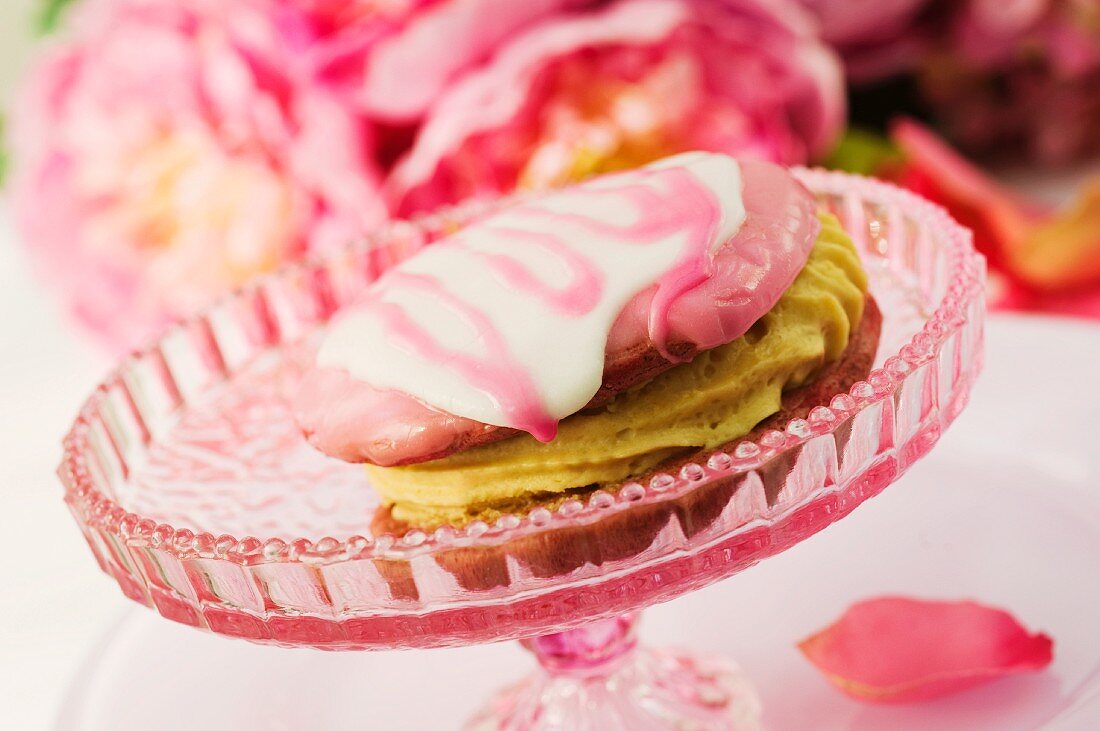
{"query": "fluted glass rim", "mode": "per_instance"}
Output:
(95, 509)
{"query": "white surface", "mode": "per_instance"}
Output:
(1004, 510)
(54, 604)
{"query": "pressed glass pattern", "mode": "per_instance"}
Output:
(197, 494)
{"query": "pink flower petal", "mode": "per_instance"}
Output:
(491, 97)
(407, 71)
(783, 101)
(876, 38)
(999, 219)
(1044, 255)
(166, 151)
(896, 649)
(1063, 252)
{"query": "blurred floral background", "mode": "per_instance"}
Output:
(161, 152)
(156, 153)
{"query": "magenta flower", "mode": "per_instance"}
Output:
(623, 84)
(876, 38)
(1021, 76)
(167, 154)
(394, 57)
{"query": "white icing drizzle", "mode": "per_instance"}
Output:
(506, 321)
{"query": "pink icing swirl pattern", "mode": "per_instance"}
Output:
(494, 372)
(509, 322)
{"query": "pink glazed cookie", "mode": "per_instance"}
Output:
(564, 301)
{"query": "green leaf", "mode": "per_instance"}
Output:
(50, 15)
(863, 152)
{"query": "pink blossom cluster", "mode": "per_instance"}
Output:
(166, 151)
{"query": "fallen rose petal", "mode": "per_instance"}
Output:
(896, 649)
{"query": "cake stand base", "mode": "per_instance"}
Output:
(595, 677)
(981, 517)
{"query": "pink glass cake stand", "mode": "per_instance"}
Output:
(197, 494)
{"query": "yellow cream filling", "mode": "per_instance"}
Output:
(717, 397)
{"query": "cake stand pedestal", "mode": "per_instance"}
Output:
(597, 677)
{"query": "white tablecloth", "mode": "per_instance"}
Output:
(54, 602)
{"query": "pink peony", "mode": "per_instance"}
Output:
(167, 153)
(399, 85)
(394, 57)
(620, 85)
(876, 38)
